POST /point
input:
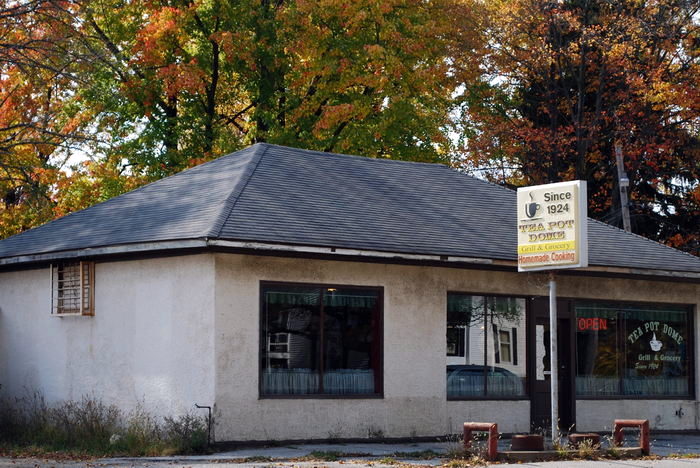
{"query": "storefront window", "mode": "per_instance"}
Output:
(597, 357)
(485, 346)
(320, 340)
(625, 349)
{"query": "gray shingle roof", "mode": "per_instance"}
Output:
(275, 194)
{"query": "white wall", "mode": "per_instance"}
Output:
(598, 415)
(172, 332)
(512, 416)
(414, 402)
(151, 339)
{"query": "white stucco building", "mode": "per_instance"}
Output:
(304, 295)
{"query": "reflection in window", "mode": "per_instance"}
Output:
(319, 340)
(505, 345)
(485, 346)
(632, 350)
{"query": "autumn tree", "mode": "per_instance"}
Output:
(142, 89)
(544, 90)
(38, 123)
(181, 81)
(566, 80)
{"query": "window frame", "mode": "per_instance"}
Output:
(526, 379)
(379, 379)
(690, 311)
(86, 274)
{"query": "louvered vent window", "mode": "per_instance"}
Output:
(72, 288)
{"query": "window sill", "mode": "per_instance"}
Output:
(321, 397)
(72, 315)
(490, 398)
(635, 397)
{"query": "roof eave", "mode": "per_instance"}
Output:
(175, 246)
(92, 252)
(344, 252)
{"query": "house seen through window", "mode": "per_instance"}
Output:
(485, 346)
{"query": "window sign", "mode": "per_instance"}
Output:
(598, 356)
(656, 361)
(552, 226)
(592, 323)
(632, 350)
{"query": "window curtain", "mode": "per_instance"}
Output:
(306, 381)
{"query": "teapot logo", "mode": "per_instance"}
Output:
(655, 344)
(532, 207)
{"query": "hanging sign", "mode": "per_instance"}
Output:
(552, 226)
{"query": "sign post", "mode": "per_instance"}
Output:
(553, 234)
(553, 356)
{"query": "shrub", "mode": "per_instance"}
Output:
(187, 433)
(141, 435)
(92, 427)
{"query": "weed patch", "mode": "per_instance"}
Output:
(329, 456)
(257, 459)
(89, 427)
(588, 450)
(684, 455)
(458, 453)
(418, 455)
(465, 462)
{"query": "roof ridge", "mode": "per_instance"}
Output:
(236, 191)
(630, 233)
(483, 181)
(356, 156)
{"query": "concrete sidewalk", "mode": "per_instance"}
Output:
(661, 444)
(377, 455)
(381, 455)
(179, 463)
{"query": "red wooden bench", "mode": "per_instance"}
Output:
(642, 424)
(491, 443)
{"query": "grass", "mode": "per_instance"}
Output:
(330, 456)
(588, 450)
(455, 447)
(473, 456)
(466, 462)
(684, 455)
(257, 459)
(326, 456)
(88, 427)
(320, 455)
(418, 455)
